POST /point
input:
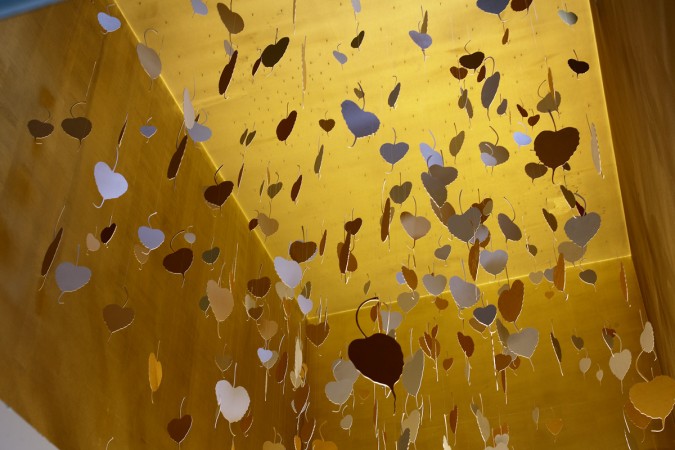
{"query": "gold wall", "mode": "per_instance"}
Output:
(62, 371)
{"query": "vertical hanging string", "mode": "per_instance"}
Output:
(91, 77)
(213, 242)
(159, 184)
(56, 224)
(126, 273)
(75, 175)
(118, 146)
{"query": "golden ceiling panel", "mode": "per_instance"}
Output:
(354, 179)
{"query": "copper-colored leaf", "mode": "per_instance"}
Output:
(424, 344)
(154, 372)
(226, 76)
(456, 143)
(441, 303)
(375, 312)
(550, 219)
(432, 345)
(343, 254)
(318, 160)
(232, 21)
(176, 159)
(255, 313)
(301, 251)
(384, 221)
(353, 226)
(179, 428)
(295, 189)
(535, 170)
(505, 37)
(474, 253)
(510, 301)
(636, 417)
(654, 398)
(516, 363)
(459, 72)
(307, 428)
(51, 252)
(444, 212)
(555, 148)
(300, 398)
(216, 195)
(117, 317)
(287, 305)
(259, 287)
(466, 342)
(481, 74)
(569, 196)
(476, 325)
(453, 420)
(484, 243)
(282, 365)
(317, 333)
(502, 361)
(523, 112)
(410, 277)
(556, 347)
(322, 244)
(519, 5)
(246, 422)
(485, 207)
(285, 126)
(240, 175)
(559, 274)
(327, 124)
(554, 426)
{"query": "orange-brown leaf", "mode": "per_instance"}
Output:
(559, 274)
(474, 253)
(410, 277)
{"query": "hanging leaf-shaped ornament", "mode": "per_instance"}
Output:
(154, 373)
(555, 148)
(232, 21)
(378, 357)
(420, 37)
(149, 58)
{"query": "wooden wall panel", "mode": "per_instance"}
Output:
(635, 45)
(591, 411)
(61, 370)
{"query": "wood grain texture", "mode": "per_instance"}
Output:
(61, 370)
(635, 45)
(591, 411)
